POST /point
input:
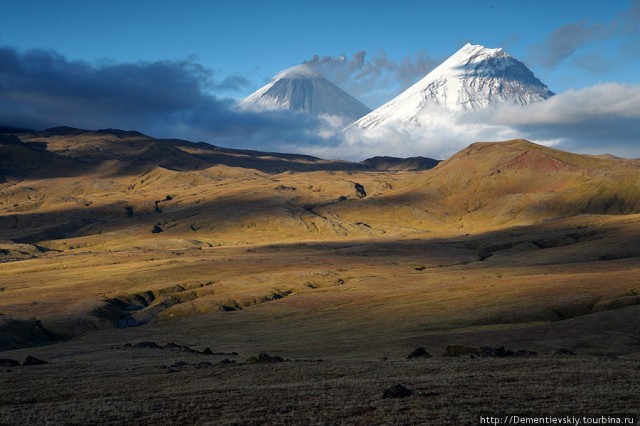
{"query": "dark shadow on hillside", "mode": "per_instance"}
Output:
(130, 153)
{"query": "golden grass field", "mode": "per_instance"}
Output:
(504, 244)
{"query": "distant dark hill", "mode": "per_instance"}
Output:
(10, 129)
(394, 163)
(19, 160)
(119, 152)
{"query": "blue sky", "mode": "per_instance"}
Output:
(223, 49)
(255, 39)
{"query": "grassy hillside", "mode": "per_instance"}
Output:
(111, 239)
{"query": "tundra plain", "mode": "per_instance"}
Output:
(111, 239)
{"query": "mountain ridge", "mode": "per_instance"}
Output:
(473, 78)
(67, 150)
(302, 89)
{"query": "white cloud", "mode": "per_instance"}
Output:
(600, 119)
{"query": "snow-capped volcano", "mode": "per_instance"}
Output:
(474, 78)
(300, 88)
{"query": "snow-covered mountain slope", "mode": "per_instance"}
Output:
(302, 89)
(474, 78)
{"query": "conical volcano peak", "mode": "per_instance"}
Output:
(473, 60)
(475, 49)
(302, 88)
(473, 78)
(298, 71)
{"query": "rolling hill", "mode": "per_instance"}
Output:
(74, 195)
(140, 267)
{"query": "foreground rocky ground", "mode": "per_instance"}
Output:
(144, 384)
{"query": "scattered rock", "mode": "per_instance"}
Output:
(419, 353)
(562, 352)
(172, 345)
(360, 192)
(489, 352)
(263, 358)
(461, 350)
(208, 351)
(9, 363)
(281, 188)
(177, 347)
(228, 308)
(397, 391)
(147, 345)
(157, 229)
(32, 360)
(183, 364)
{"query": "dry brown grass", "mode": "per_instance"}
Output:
(131, 386)
(540, 255)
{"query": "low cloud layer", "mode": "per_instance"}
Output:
(600, 119)
(604, 118)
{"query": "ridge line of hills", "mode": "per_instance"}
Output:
(66, 150)
(68, 195)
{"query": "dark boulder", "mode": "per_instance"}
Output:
(489, 352)
(32, 360)
(419, 353)
(562, 352)
(397, 391)
(9, 363)
(523, 353)
(177, 347)
(500, 352)
(147, 345)
(461, 350)
(183, 364)
(263, 358)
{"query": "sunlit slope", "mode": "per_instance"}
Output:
(492, 185)
(509, 234)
